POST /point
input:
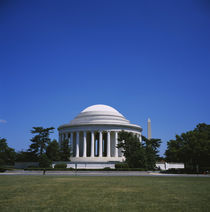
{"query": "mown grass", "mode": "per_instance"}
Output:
(65, 193)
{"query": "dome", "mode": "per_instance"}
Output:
(102, 108)
(99, 114)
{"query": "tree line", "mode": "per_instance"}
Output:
(44, 151)
(191, 148)
(41, 149)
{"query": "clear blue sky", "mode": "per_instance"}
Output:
(144, 58)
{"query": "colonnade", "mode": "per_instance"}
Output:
(93, 143)
(97, 145)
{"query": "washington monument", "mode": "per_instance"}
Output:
(149, 133)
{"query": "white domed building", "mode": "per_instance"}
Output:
(93, 136)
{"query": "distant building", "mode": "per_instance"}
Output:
(166, 166)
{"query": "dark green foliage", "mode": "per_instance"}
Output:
(131, 169)
(23, 156)
(132, 149)
(40, 140)
(42, 146)
(41, 149)
(53, 151)
(139, 155)
(178, 171)
(121, 165)
(107, 169)
(174, 150)
(61, 165)
(48, 169)
(7, 154)
(151, 151)
(192, 148)
(44, 161)
(65, 151)
(2, 169)
(2, 163)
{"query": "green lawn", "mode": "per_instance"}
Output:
(63, 193)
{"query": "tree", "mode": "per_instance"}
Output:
(65, 151)
(44, 161)
(40, 140)
(2, 163)
(192, 148)
(132, 149)
(139, 155)
(151, 151)
(24, 156)
(173, 152)
(53, 151)
(7, 154)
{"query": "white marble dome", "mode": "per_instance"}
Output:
(99, 114)
(99, 107)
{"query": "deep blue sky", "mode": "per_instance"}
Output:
(144, 58)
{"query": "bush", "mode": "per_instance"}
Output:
(61, 165)
(8, 168)
(48, 169)
(157, 169)
(44, 161)
(107, 168)
(121, 165)
(177, 171)
(2, 163)
(33, 167)
(2, 169)
(130, 169)
(205, 169)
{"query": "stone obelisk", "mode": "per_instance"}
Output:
(149, 131)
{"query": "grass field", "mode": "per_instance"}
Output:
(63, 193)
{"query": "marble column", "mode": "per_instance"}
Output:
(116, 143)
(108, 143)
(92, 144)
(63, 137)
(140, 138)
(66, 136)
(100, 143)
(60, 138)
(77, 145)
(71, 142)
(84, 144)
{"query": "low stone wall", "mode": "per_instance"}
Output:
(23, 165)
(166, 166)
(96, 165)
(88, 165)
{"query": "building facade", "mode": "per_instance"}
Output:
(93, 134)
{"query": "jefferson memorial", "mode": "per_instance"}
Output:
(93, 135)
